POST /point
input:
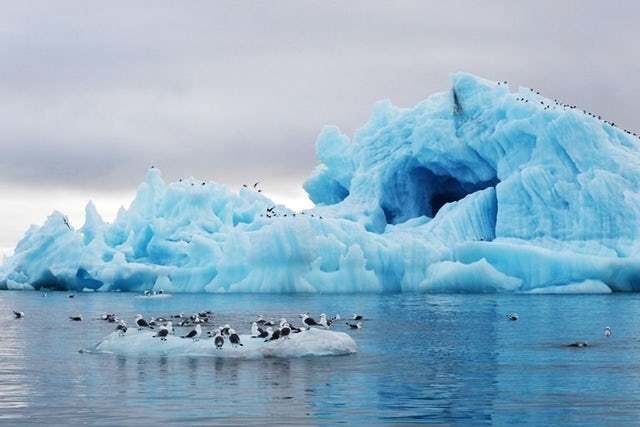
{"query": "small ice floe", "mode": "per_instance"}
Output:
(154, 295)
(313, 342)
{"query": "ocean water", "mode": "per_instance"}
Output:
(442, 359)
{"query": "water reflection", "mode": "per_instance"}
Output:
(425, 359)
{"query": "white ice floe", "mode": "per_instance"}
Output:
(314, 342)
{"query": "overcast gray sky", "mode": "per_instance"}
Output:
(92, 93)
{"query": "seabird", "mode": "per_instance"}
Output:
(512, 316)
(355, 325)
(285, 329)
(76, 318)
(357, 317)
(578, 344)
(162, 333)
(607, 331)
(194, 333)
(122, 327)
(141, 322)
(323, 321)
(18, 314)
(72, 296)
(254, 329)
(218, 341)
(225, 329)
(261, 333)
(308, 321)
(234, 338)
(274, 334)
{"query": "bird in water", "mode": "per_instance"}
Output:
(234, 338)
(18, 314)
(607, 332)
(355, 325)
(76, 318)
(513, 316)
(578, 344)
(357, 317)
(194, 334)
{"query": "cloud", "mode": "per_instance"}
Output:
(235, 91)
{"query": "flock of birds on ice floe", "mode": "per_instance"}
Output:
(193, 326)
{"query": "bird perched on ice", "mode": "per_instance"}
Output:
(225, 329)
(607, 331)
(234, 338)
(218, 340)
(285, 329)
(355, 325)
(513, 316)
(141, 322)
(273, 334)
(323, 321)
(357, 317)
(18, 314)
(308, 321)
(194, 334)
(122, 328)
(254, 329)
(162, 333)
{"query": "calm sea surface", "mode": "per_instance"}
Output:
(424, 359)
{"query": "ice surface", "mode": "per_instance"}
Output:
(476, 189)
(314, 342)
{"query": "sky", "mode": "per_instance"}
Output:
(94, 93)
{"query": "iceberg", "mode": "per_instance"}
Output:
(475, 189)
(312, 342)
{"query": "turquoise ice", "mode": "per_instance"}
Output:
(477, 189)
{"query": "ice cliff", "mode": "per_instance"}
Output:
(477, 189)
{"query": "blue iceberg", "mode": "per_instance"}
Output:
(477, 189)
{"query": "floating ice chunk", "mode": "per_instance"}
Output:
(314, 342)
(477, 277)
(585, 287)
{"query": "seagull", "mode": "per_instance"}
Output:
(607, 331)
(355, 326)
(513, 316)
(76, 318)
(308, 321)
(254, 330)
(285, 329)
(234, 338)
(141, 322)
(18, 314)
(274, 334)
(225, 329)
(194, 333)
(122, 327)
(218, 340)
(162, 333)
(323, 321)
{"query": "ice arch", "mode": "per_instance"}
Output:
(418, 191)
